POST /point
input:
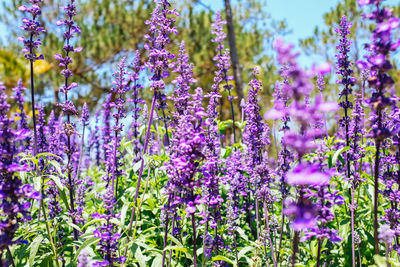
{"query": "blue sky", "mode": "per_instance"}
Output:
(301, 16)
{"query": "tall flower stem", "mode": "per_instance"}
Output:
(146, 142)
(230, 98)
(296, 239)
(344, 70)
(33, 106)
(173, 228)
(68, 106)
(281, 231)
(269, 234)
(53, 248)
(319, 253)
(257, 217)
(81, 152)
(194, 241)
(10, 256)
(165, 235)
(376, 195)
(352, 209)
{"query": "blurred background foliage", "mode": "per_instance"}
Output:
(115, 28)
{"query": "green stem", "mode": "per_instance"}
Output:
(53, 248)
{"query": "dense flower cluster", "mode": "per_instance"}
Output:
(288, 181)
(378, 64)
(109, 239)
(14, 204)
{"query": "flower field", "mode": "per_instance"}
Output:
(306, 180)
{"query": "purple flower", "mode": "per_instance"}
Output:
(306, 174)
(20, 115)
(53, 135)
(106, 129)
(377, 61)
(386, 234)
(41, 138)
(222, 62)
(182, 82)
(305, 114)
(255, 135)
(84, 260)
(13, 194)
(187, 144)
(109, 239)
(113, 160)
(34, 28)
(19, 92)
(85, 115)
(343, 67)
(68, 106)
(161, 26)
(134, 77)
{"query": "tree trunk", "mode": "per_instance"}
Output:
(237, 74)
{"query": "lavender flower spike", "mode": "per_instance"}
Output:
(222, 61)
(33, 27)
(378, 63)
(160, 27)
(108, 237)
(137, 68)
(343, 66)
(120, 88)
(68, 106)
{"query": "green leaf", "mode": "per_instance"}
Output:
(34, 249)
(157, 262)
(56, 165)
(223, 258)
(85, 244)
(90, 223)
(141, 258)
(76, 227)
(61, 189)
(337, 155)
(244, 250)
(176, 248)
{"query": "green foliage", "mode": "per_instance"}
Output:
(144, 246)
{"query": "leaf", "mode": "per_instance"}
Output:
(242, 234)
(141, 258)
(176, 248)
(34, 249)
(338, 155)
(244, 250)
(37, 183)
(90, 223)
(124, 211)
(223, 258)
(56, 165)
(137, 165)
(61, 189)
(157, 262)
(76, 227)
(85, 244)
